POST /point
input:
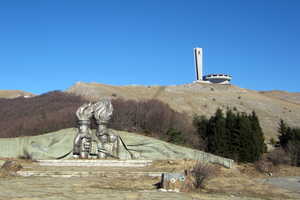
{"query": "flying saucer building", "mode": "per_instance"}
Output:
(211, 78)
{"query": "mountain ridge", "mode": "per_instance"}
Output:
(204, 98)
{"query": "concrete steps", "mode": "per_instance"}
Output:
(88, 163)
(86, 174)
(95, 163)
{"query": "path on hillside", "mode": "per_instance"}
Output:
(292, 183)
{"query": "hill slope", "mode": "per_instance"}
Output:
(205, 98)
(10, 94)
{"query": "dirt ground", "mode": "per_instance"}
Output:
(239, 183)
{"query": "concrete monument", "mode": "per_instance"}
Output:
(104, 143)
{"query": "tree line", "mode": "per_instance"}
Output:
(49, 112)
(153, 118)
(55, 110)
(289, 140)
(234, 135)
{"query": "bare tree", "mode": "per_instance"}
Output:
(278, 157)
(203, 172)
(293, 151)
(123, 114)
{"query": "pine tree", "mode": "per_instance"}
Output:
(201, 122)
(175, 136)
(257, 137)
(233, 137)
(282, 129)
(217, 134)
(244, 129)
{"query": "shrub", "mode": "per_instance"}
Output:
(147, 132)
(155, 118)
(203, 172)
(26, 155)
(261, 166)
(272, 141)
(51, 111)
(175, 136)
(278, 157)
(293, 152)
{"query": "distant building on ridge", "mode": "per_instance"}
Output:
(211, 78)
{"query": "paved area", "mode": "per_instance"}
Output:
(80, 188)
(292, 183)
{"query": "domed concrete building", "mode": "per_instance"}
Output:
(217, 78)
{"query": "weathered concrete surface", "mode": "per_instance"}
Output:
(59, 145)
(95, 163)
(82, 188)
(292, 183)
(75, 182)
(48, 146)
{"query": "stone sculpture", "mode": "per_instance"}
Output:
(104, 143)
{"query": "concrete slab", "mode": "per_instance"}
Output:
(95, 163)
(68, 174)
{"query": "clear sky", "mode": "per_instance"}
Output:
(50, 45)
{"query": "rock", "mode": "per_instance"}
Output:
(11, 165)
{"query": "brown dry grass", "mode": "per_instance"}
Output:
(244, 181)
(15, 94)
(241, 182)
(270, 106)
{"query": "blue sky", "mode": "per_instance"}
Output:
(50, 45)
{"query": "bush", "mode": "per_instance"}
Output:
(155, 118)
(272, 141)
(203, 172)
(26, 155)
(278, 157)
(51, 111)
(261, 166)
(175, 136)
(147, 132)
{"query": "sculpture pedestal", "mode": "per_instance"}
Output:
(95, 163)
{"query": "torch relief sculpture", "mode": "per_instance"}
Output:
(104, 143)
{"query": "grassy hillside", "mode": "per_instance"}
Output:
(205, 98)
(38, 115)
(199, 98)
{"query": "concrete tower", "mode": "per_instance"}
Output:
(198, 63)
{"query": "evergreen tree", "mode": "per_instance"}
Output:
(290, 135)
(286, 134)
(257, 137)
(201, 122)
(282, 129)
(233, 137)
(216, 132)
(297, 133)
(175, 136)
(237, 136)
(244, 129)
